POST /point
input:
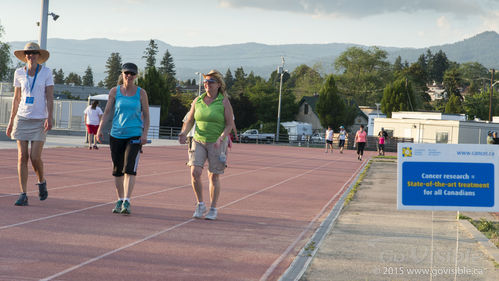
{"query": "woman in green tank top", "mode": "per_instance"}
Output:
(213, 114)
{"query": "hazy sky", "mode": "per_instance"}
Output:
(397, 23)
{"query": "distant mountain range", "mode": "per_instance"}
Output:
(75, 55)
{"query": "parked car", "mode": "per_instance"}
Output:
(254, 135)
(318, 138)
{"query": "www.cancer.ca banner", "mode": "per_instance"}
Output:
(458, 177)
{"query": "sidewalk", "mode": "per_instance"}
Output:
(372, 240)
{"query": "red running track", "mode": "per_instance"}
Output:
(272, 200)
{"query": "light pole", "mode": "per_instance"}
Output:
(199, 82)
(42, 41)
(280, 70)
(491, 93)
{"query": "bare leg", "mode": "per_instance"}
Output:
(197, 186)
(36, 159)
(118, 182)
(129, 183)
(90, 140)
(214, 188)
(22, 164)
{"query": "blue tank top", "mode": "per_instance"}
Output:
(127, 119)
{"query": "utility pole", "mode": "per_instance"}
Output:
(42, 41)
(491, 93)
(280, 70)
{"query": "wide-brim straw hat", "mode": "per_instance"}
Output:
(32, 46)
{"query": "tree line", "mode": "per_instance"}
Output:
(363, 76)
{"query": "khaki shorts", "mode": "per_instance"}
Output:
(199, 152)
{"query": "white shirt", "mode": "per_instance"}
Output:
(93, 115)
(329, 135)
(343, 134)
(33, 104)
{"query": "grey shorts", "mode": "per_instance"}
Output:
(25, 129)
(200, 152)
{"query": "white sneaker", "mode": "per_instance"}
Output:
(200, 210)
(212, 214)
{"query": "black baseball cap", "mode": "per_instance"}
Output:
(132, 67)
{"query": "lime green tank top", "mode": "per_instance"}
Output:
(210, 119)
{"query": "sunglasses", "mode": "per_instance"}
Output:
(129, 73)
(31, 53)
(209, 81)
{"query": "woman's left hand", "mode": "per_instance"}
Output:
(218, 142)
(143, 139)
(48, 124)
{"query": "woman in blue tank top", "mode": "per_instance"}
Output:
(130, 124)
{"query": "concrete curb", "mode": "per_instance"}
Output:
(302, 261)
(487, 247)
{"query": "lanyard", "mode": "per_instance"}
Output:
(34, 78)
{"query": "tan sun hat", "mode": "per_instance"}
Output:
(32, 46)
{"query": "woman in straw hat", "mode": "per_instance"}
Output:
(214, 118)
(31, 115)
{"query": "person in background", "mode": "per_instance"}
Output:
(214, 119)
(92, 115)
(130, 125)
(329, 139)
(342, 135)
(31, 116)
(360, 140)
(490, 138)
(382, 135)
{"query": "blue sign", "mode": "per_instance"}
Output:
(448, 184)
(453, 177)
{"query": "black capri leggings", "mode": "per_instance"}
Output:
(125, 156)
(360, 148)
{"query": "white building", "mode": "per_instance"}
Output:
(435, 127)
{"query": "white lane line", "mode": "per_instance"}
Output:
(175, 226)
(115, 251)
(274, 265)
(92, 183)
(112, 202)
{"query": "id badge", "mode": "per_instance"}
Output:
(30, 100)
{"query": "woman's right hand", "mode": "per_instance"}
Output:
(182, 138)
(8, 131)
(98, 136)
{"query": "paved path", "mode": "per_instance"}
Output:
(372, 240)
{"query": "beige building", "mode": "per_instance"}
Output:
(435, 127)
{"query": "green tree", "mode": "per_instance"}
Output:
(178, 107)
(331, 108)
(454, 106)
(88, 78)
(363, 74)
(244, 110)
(100, 84)
(158, 91)
(113, 70)
(229, 79)
(477, 105)
(304, 81)
(58, 76)
(73, 78)
(150, 54)
(437, 65)
(397, 65)
(397, 96)
(4, 57)
(265, 98)
(452, 82)
(167, 65)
